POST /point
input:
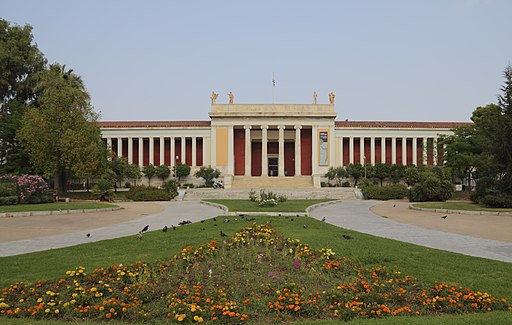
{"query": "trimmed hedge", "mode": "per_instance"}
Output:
(147, 193)
(388, 192)
(497, 201)
(8, 200)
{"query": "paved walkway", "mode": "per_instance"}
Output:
(174, 212)
(356, 215)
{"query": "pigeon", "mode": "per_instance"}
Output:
(214, 219)
(323, 219)
(215, 225)
(165, 229)
(88, 235)
(144, 229)
(394, 205)
(202, 221)
(444, 217)
(347, 237)
(222, 234)
(291, 219)
(226, 220)
(304, 226)
(173, 227)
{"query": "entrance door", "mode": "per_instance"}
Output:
(273, 166)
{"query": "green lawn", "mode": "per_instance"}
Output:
(249, 206)
(55, 206)
(467, 206)
(428, 265)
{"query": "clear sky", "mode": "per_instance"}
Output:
(430, 60)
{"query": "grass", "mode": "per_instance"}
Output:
(249, 206)
(428, 265)
(55, 206)
(466, 206)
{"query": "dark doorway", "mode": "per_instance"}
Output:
(273, 165)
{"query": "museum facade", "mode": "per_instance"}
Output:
(294, 144)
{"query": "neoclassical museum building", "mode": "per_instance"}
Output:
(291, 145)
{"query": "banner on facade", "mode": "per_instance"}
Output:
(324, 148)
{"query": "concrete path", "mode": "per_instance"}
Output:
(355, 215)
(174, 212)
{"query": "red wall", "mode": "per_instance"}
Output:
(305, 151)
(177, 149)
(289, 161)
(188, 151)
(256, 159)
(145, 150)
(398, 151)
(378, 151)
(156, 152)
(199, 151)
(239, 147)
(367, 151)
(357, 150)
(272, 148)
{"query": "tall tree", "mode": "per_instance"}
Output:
(20, 61)
(62, 133)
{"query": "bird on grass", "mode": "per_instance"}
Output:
(144, 229)
(291, 219)
(202, 221)
(304, 226)
(173, 227)
(165, 229)
(323, 219)
(214, 219)
(222, 234)
(88, 235)
(444, 217)
(347, 237)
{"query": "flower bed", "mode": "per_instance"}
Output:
(256, 275)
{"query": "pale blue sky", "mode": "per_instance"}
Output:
(432, 60)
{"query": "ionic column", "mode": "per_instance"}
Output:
(183, 150)
(206, 152)
(351, 150)
(141, 152)
(130, 150)
(172, 149)
(280, 171)
(362, 159)
(297, 150)
(314, 150)
(231, 152)
(247, 150)
(393, 150)
(372, 151)
(109, 143)
(383, 150)
(119, 147)
(194, 147)
(264, 159)
(434, 151)
(151, 151)
(162, 152)
(404, 151)
(425, 151)
(415, 151)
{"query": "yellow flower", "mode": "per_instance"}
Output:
(180, 317)
(3, 305)
(57, 311)
(47, 310)
(198, 319)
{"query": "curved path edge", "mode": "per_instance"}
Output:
(356, 215)
(55, 212)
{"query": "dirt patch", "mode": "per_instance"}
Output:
(19, 228)
(483, 226)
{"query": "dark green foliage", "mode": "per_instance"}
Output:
(432, 187)
(149, 171)
(8, 200)
(388, 192)
(411, 175)
(345, 184)
(171, 186)
(181, 170)
(208, 174)
(147, 193)
(102, 190)
(381, 171)
(497, 201)
(356, 171)
(396, 173)
(162, 172)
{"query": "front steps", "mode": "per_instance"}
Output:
(247, 182)
(337, 193)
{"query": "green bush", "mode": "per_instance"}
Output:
(171, 186)
(431, 188)
(8, 200)
(8, 189)
(102, 190)
(345, 184)
(497, 201)
(388, 192)
(148, 193)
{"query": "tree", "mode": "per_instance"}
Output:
(149, 171)
(208, 174)
(20, 61)
(62, 133)
(381, 171)
(356, 171)
(181, 170)
(411, 175)
(133, 172)
(396, 172)
(120, 168)
(163, 172)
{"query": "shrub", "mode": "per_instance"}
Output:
(345, 184)
(102, 190)
(127, 185)
(208, 174)
(388, 192)
(171, 186)
(252, 195)
(189, 185)
(148, 193)
(431, 188)
(497, 201)
(28, 188)
(8, 200)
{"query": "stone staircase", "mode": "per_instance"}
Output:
(241, 182)
(338, 193)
